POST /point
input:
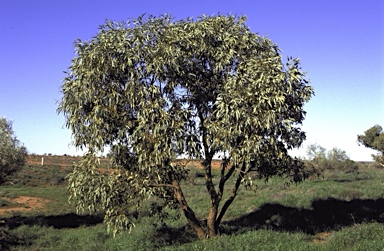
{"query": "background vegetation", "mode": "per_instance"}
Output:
(12, 151)
(320, 162)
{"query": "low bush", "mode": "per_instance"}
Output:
(12, 152)
(319, 161)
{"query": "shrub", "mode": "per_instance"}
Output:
(12, 152)
(319, 160)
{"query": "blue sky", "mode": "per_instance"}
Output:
(340, 44)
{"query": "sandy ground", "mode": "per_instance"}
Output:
(25, 203)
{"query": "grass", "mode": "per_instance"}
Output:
(7, 203)
(357, 237)
(341, 212)
(39, 176)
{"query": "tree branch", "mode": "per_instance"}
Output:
(224, 179)
(160, 185)
(188, 212)
(233, 194)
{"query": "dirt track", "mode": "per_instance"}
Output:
(25, 203)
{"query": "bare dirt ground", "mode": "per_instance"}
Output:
(25, 203)
(321, 237)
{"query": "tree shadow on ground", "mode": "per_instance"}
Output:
(70, 220)
(324, 215)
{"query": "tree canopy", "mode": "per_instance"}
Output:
(155, 89)
(374, 138)
(12, 151)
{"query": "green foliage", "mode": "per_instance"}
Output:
(12, 152)
(374, 138)
(154, 89)
(319, 161)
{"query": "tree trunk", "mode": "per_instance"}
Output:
(212, 226)
(188, 212)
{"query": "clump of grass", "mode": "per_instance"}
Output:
(351, 193)
(7, 203)
(8, 194)
(7, 239)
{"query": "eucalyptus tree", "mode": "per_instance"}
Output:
(374, 138)
(155, 89)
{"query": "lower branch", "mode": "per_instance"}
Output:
(224, 179)
(160, 185)
(188, 212)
